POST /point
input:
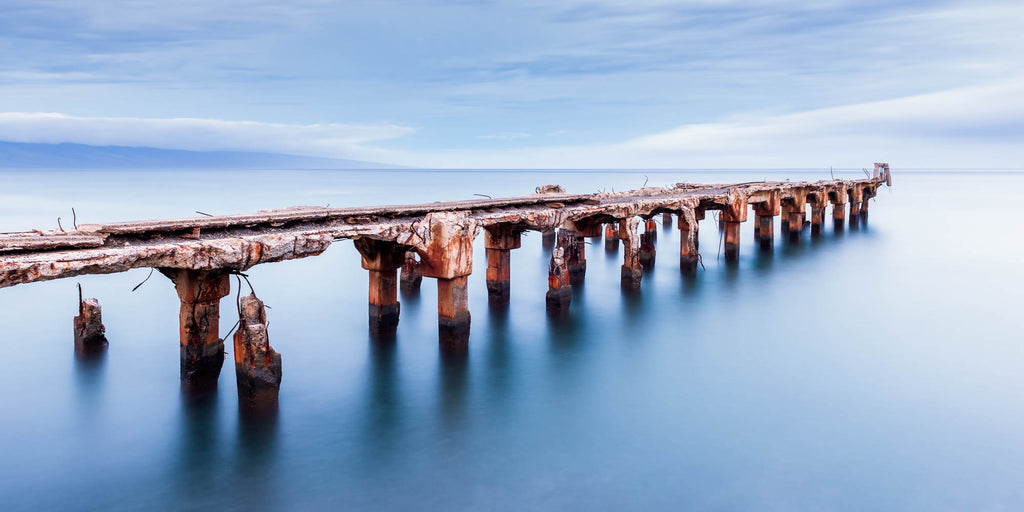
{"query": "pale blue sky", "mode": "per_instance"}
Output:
(475, 83)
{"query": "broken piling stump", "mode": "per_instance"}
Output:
(647, 250)
(611, 237)
(257, 365)
(90, 336)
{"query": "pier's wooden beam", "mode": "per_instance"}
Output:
(257, 365)
(499, 240)
(632, 272)
(382, 260)
(202, 349)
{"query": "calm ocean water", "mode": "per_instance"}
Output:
(874, 369)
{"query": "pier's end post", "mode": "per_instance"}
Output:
(202, 349)
(499, 240)
(257, 365)
(382, 260)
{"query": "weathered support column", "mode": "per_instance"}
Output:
(382, 260)
(818, 200)
(838, 199)
(867, 194)
(90, 335)
(499, 240)
(453, 317)
(547, 239)
(666, 220)
(650, 226)
(411, 277)
(257, 365)
(559, 293)
(698, 215)
(688, 256)
(765, 213)
(576, 252)
(647, 245)
(202, 349)
(856, 196)
(632, 272)
(734, 213)
(445, 246)
(795, 209)
(611, 237)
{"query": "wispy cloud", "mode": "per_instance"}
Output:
(335, 140)
(505, 136)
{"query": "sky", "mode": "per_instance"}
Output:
(526, 83)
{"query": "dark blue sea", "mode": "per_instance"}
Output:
(880, 368)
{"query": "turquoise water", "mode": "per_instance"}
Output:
(873, 369)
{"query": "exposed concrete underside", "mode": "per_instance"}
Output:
(438, 232)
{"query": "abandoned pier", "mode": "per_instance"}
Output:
(399, 245)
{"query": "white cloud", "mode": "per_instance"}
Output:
(333, 140)
(505, 136)
(967, 127)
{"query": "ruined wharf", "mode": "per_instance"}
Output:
(433, 240)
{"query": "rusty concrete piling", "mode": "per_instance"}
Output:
(574, 252)
(666, 221)
(764, 215)
(257, 365)
(90, 334)
(499, 241)
(382, 260)
(453, 318)
(632, 271)
(688, 255)
(647, 252)
(410, 277)
(611, 237)
(559, 294)
(202, 349)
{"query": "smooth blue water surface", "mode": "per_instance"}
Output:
(873, 369)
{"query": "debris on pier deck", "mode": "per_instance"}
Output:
(432, 240)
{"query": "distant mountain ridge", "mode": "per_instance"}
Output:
(81, 156)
